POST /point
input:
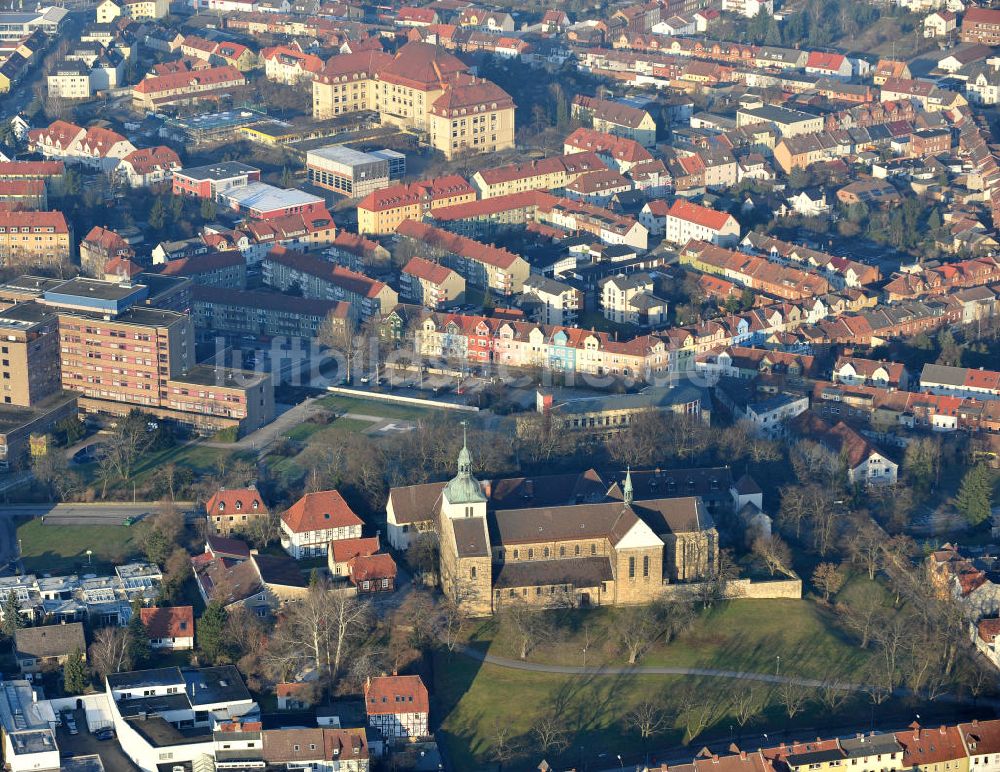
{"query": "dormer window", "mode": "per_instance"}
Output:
(239, 505)
(222, 506)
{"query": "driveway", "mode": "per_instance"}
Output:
(84, 744)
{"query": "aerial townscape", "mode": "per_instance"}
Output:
(480, 385)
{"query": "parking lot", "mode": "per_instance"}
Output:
(85, 744)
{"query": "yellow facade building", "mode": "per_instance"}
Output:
(422, 88)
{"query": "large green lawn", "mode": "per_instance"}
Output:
(61, 549)
(741, 635)
(374, 407)
(471, 699)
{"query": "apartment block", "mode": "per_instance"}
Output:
(34, 238)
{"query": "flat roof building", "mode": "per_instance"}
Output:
(346, 171)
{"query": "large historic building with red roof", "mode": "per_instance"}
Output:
(421, 87)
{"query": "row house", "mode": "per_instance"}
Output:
(549, 174)
(481, 265)
(942, 279)
(255, 238)
(960, 381)
(479, 340)
(382, 211)
(483, 218)
(841, 271)
(96, 146)
(187, 87)
(580, 216)
(284, 269)
(753, 272)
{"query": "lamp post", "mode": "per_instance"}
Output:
(89, 553)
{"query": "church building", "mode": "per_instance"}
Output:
(572, 540)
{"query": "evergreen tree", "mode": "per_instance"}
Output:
(138, 637)
(208, 208)
(212, 632)
(74, 674)
(157, 215)
(286, 177)
(975, 496)
(12, 619)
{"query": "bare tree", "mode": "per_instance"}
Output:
(504, 747)
(350, 619)
(793, 509)
(832, 695)
(109, 653)
(793, 696)
(774, 553)
(637, 627)
(828, 578)
(700, 709)
(551, 733)
(126, 442)
(450, 623)
(528, 626)
(646, 718)
(747, 703)
(865, 546)
(863, 611)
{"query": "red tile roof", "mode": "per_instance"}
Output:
(152, 159)
(390, 695)
(320, 511)
(31, 168)
(700, 215)
(180, 80)
(169, 621)
(54, 220)
(232, 500)
(350, 280)
(345, 549)
(368, 567)
(930, 746)
(459, 245)
(427, 270)
(408, 194)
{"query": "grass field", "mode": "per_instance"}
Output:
(61, 549)
(472, 699)
(739, 635)
(375, 407)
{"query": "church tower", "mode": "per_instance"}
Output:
(463, 495)
(466, 561)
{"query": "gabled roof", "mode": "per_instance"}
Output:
(168, 621)
(320, 511)
(389, 695)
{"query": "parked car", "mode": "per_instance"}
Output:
(105, 733)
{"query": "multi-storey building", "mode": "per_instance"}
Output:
(398, 706)
(232, 510)
(551, 174)
(550, 301)
(316, 519)
(630, 299)
(686, 221)
(981, 25)
(214, 180)
(34, 238)
(243, 312)
(99, 247)
(431, 284)
(618, 118)
(347, 171)
(382, 211)
(184, 88)
(421, 88)
(481, 265)
(317, 278)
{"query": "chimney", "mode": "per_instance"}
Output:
(743, 755)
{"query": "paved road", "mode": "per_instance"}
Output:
(104, 513)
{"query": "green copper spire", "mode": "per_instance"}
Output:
(463, 488)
